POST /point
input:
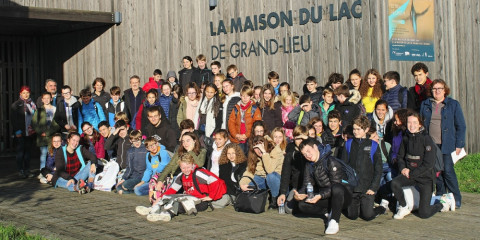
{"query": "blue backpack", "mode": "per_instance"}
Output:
(348, 146)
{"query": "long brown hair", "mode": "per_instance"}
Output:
(252, 156)
(271, 103)
(377, 88)
(283, 145)
(50, 144)
(196, 148)
(239, 155)
(85, 141)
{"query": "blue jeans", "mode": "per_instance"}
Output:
(272, 181)
(84, 173)
(23, 149)
(141, 190)
(43, 156)
(128, 184)
(448, 179)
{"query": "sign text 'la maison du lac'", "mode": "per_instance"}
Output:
(273, 20)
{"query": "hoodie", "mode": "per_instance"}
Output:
(382, 127)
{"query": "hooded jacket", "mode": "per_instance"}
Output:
(111, 109)
(155, 163)
(164, 133)
(296, 114)
(391, 96)
(382, 128)
(91, 112)
(349, 110)
(234, 121)
(418, 153)
(121, 147)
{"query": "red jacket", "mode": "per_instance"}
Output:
(150, 84)
(208, 183)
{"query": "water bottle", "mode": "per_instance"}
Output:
(309, 191)
(281, 208)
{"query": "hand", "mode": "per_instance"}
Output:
(298, 196)
(457, 151)
(406, 172)
(244, 137)
(245, 187)
(93, 168)
(281, 199)
(18, 135)
(73, 127)
(207, 198)
(370, 192)
(44, 134)
(49, 177)
(159, 185)
(120, 182)
(117, 130)
(314, 199)
(70, 182)
(261, 147)
(67, 127)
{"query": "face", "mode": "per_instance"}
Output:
(152, 148)
(166, 90)
(355, 80)
(256, 94)
(371, 80)
(192, 94)
(171, 79)
(104, 131)
(318, 127)
(201, 64)
(218, 81)
(98, 86)
(233, 73)
(231, 155)
(288, 100)
(274, 82)
(115, 98)
(188, 143)
(73, 142)
(333, 124)
(123, 133)
(381, 111)
(267, 95)
(186, 168)
(157, 77)
(438, 91)
(227, 88)
(310, 153)
(420, 77)
(151, 98)
(389, 83)
(51, 87)
(25, 94)
(137, 143)
(358, 132)
(220, 140)
(259, 131)
(311, 86)
(311, 133)
(56, 142)
(86, 99)
(341, 98)
(245, 98)
(397, 121)
(336, 85)
(46, 99)
(210, 92)
(283, 89)
(298, 140)
(88, 130)
(374, 137)
(278, 137)
(307, 107)
(328, 98)
(154, 118)
(187, 64)
(67, 94)
(413, 124)
(215, 69)
(134, 84)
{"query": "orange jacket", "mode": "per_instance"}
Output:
(234, 121)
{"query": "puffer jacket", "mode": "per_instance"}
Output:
(234, 122)
(418, 153)
(391, 96)
(92, 113)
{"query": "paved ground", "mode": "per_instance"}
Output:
(57, 213)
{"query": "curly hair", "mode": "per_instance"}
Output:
(377, 88)
(239, 155)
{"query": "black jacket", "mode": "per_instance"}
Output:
(120, 146)
(231, 104)
(348, 110)
(225, 173)
(103, 99)
(316, 97)
(164, 131)
(418, 153)
(293, 169)
(172, 115)
(200, 76)
(272, 117)
(61, 114)
(369, 173)
(185, 76)
(132, 106)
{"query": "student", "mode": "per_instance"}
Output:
(189, 104)
(420, 91)
(257, 94)
(335, 80)
(368, 167)
(399, 130)
(165, 99)
(305, 111)
(396, 95)
(328, 188)
(273, 79)
(220, 137)
(185, 75)
(324, 137)
(229, 100)
(106, 131)
(133, 97)
(92, 140)
(156, 161)
(114, 105)
(154, 82)
(284, 87)
(326, 105)
(74, 164)
(89, 111)
(354, 80)
(384, 191)
(242, 118)
(218, 80)
(279, 138)
(258, 129)
(160, 129)
(314, 91)
(119, 143)
(348, 106)
(99, 95)
(216, 68)
(202, 74)
(136, 164)
(208, 116)
(207, 187)
(49, 169)
(237, 78)
(66, 113)
(270, 110)
(335, 129)
(289, 102)
(177, 93)
(265, 162)
(44, 126)
(172, 78)
(371, 90)
(141, 118)
(416, 162)
(382, 117)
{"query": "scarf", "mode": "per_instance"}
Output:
(243, 110)
(29, 106)
(422, 90)
(191, 107)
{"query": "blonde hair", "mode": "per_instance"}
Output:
(186, 158)
(121, 116)
(283, 145)
(286, 94)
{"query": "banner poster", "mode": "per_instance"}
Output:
(411, 26)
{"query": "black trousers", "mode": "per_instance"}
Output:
(425, 188)
(362, 206)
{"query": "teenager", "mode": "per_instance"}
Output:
(335, 80)
(220, 137)
(421, 90)
(382, 117)
(66, 113)
(371, 90)
(49, 169)
(273, 79)
(165, 99)
(237, 78)
(89, 110)
(229, 100)
(119, 143)
(189, 105)
(335, 129)
(354, 79)
(305, 111)
(154, 82)
(160, 129)
(270, 110)
(202, 74)
(324, 137)
(348, 105)
(326, 105)
(172, 78)
(135, 166)
(114, 105)
(314, 91)
(289, 102)
(141, 118)
(218, 80)
(208, 115)
(92, 140)
(395, 95)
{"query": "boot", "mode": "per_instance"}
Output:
(273, 203)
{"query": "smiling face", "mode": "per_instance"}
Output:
(220, 140)
(151, 98)
(201, 64)
(187, 64)
(358, 132)
(231, 154)
(245, 98)
(438, 91)
(355, 80)
(104, 131)
(192, 94)
(273, 82)
(25, 94)
(72, 143)
(233, 73)
(209, 92)
(328, 98)
(166, 89)
(46, 99)
(56, 142)
(186, 168)
(310, 153)
(420, 77)
(381, 111)
(51, 87)
(98, 86)
(227, 87)
(318, 127)
(278, 137)
(218, 81)
(288, 100)
(135, 84)
(88, 129)
(154, 117)
(312, 86)
(267, 95)
(333, 124)
(413, 124)
(371, 80)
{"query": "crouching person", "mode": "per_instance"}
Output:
(74, 164)
(200, 187)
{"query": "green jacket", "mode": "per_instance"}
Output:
(39, 124)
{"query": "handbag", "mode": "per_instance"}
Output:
(252, 201)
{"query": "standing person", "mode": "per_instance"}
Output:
(177, 93)
(99, 95)
(335, 80)
(354, 80)
(416, 163)
(185, 75)
(189, 104)
(114, 105)
(445, 123)
(165, 99)
(371, 90)
(135, 164)
(172, 78)
(49, 169)
(89, 111)
(216, 67)
(44, 126)
(271, 111)
(22, 112)
(273, 79)
(202, 74)
(237, 78)
(421, 90)
(66, 113)
(218, 80)
(229, 100)
(161, 130)
(208, 116)
(154, 82)
(396, 95)
(50, 87)
(314, 91)
(133, 97)
(289, 102)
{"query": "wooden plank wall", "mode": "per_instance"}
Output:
(157, 34)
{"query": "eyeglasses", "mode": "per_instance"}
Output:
(87, 128)
(438, 89)
(67, 93)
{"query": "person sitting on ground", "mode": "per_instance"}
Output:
(92, 140)
(136, 164)
(220, 137)
(324, 137)
(49, 169)
(160, 129)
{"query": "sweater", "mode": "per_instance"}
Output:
(268, 163)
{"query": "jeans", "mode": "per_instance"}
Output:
(272, 181)
(362, 206)
(244, 147)
(142, 190)
(448, 179)
(84, 173)
(43, 156)
(128, 185)
(24, 146)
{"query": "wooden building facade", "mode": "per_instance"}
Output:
(157, 34)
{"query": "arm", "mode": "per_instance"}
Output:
(232, 124)
(460, 126)
(170, 168)
(80, 121)
(377, 170)
(100, 147)
(244, 180)
(273, 160)
(148, 171)
(293, 115)
(111, 142)
(87, 155)
(200, 159)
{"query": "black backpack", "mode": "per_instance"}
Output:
(350, 173)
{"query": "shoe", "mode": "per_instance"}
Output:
(384, 203)
(21, 174)
(273, 204)
(143, 210)
(163, 216)
(39, 176)
(43, 180)
(452, 201)
(89, 187)
(448, 203)
(332, 227)
(80, 187)
(401, 212)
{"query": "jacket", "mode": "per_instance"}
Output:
(103, 99)
(173, 113)
(141, 118)
(384, 128)
(317, 96)
(120, 146)
(92, 113)
(151, 84)
(60, 162)
(419, 94)
(136, 163)
(418, 153)
(268, 163)
(293, 169)
(295, 115)
(349, 110)
(238, 82)
(392, 98)
(272, 117)
(234, 122)
(155, 164)
(225, 173)
(40, 125)
(132, 103)
(168, 137)
(172, 167)
(212, 123)
(111, 109)
(21, 118)
(185, 76)
(49, 163)
(228, 105)
(182, 110)
(200, 76)
(323, 114)
(166, 102)
(99, 146)
(61, 112)
(453, 123)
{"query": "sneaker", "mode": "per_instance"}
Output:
(163, 216)
(21, 174)
(384, 203)
(401, 212)
(143, 210)
(332, 227)
(43, 180)
(452, 201)
(89, 187)
(29, 175)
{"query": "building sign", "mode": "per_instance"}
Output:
(411, 28)
(274, 20)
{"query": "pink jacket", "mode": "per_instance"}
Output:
(285, 112)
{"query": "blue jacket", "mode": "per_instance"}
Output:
(155, 164)
(453, 123)
(92, 113)
(391, 96)
(135, 163)
(112, 109)
(165, 103)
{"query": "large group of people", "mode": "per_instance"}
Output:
(214, 134)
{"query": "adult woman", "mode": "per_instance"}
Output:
(189, 104)
(185, 75)
(371, 90)
(74, 164)
(382, 116)
(445, 123)
(22, 113)
(354, 79)
(44, 126)
(208, 117)
(49, 169)
(99, 95)
(92, 140)
(265, 162)
(416, 162)
(270, 111)
(289, 102)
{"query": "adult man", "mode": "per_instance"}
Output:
(50, 87)
(394, 89)
(202, 74)
(160, 129)
(231, 98)
(133, 97)
(420, 91)
(66, 114)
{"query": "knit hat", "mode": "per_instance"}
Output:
(171, 74)
(25, 88)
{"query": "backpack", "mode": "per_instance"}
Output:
(351, 174)
(348, 146)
